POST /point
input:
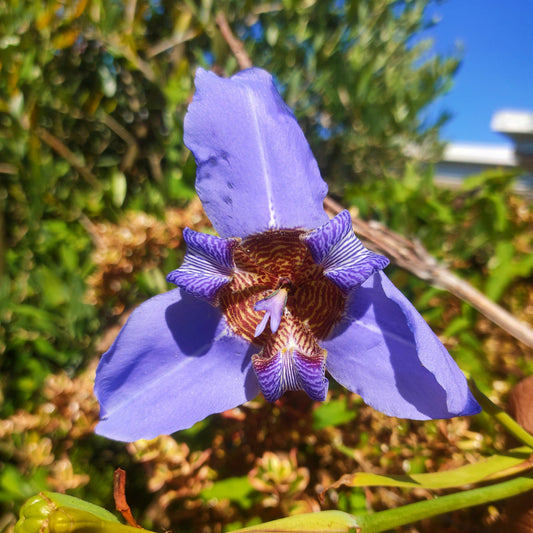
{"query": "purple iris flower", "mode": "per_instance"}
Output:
(281, 296)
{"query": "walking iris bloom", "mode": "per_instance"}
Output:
(280, 297)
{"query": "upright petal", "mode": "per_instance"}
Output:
(385, 351)
(255, 168)
(172, 364)
(207, 266)
(345, 260)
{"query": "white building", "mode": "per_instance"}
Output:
(466, 159)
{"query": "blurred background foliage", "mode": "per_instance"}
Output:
(96, 186)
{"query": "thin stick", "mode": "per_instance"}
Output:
(133, 148)
(59, 146)
(243, 59)
(167, 44)
(119, 494)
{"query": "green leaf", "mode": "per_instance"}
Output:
(64, 500)
(489, 178)
(506, 265)
(119, 187)
(393, 518)
(495, 467)
(333, 413)
(14, 486)
(235, 489)
(336, 521)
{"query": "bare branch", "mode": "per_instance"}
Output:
(133, 148)
(7, 168)
(129, 15)
(167, 44)
(243, 59)
(59, 146)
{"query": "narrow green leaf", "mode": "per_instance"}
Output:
(393, 518)
(494, 467)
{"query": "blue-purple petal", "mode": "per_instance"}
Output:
(291, 369)
(269, 374)
(255, 168)
(172, 364)
(207, 266)
(385, 351)
(345, 260)
(311, 371)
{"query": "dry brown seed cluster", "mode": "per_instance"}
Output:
(137, 243)
(174, 473)
(282, 483)
(45, 437)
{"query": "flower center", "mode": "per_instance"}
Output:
(280, 299)
(283, 291)
(276, 279)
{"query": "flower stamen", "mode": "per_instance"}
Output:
(274, 307)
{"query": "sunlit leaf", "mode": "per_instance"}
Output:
(333, 521)
(495, 467)
(64, 500)
(119, 187)
(236, 489)
(60, 513)
(66, 38)
(407, 514)
(333, 413)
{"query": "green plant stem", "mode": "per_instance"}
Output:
(496, 412)
(385, 520)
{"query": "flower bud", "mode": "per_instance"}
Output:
(49, 512)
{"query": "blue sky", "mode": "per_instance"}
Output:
(497, 67)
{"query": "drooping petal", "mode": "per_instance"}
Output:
(345, 260)
(255, 168)
(290, 369)
(385, 351)
(207, 266)
(173, 363)
(312, 374)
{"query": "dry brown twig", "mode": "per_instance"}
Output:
(411, 256)
(119, 494)
(243, 59)
(76, 162)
